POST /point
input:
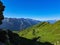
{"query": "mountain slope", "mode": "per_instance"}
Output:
(17, 24)
(47, 32)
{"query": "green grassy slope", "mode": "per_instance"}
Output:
(47, 32)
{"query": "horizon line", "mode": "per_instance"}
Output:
(33, 18)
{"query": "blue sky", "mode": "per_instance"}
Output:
(34, 9)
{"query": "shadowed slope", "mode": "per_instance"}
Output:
(10, 38)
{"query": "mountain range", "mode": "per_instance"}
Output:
(20, 23)
(17, 23)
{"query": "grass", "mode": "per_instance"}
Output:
(47, 32)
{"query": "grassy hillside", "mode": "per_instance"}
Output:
(47, 32)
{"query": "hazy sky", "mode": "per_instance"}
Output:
(35, 9)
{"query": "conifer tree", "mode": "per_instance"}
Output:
(1, 11)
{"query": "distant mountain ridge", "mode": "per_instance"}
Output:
(17, 23)
(51, 21)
